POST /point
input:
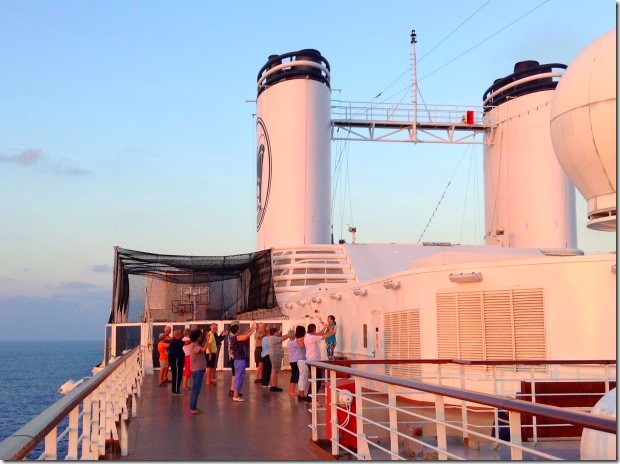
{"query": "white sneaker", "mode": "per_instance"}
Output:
(238, 399)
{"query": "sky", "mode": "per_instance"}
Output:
(131, 124)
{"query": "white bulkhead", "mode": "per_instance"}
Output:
(293, 150)
(529, 200)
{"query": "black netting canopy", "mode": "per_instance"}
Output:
(175, 288)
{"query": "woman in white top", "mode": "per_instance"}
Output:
(312, 342)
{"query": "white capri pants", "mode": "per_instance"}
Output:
(303, 375)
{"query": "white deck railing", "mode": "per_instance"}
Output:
(405, 418)
(97, 410)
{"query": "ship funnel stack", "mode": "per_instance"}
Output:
(293, 150)
(529, 200)
(583, 128)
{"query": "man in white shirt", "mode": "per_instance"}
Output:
(312, 341)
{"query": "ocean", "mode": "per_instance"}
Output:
(34, 371)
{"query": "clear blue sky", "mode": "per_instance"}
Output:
(126, 123)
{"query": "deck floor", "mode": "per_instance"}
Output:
(266, 427)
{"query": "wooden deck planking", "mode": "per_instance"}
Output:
(266, 427)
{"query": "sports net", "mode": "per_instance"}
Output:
(175, 288)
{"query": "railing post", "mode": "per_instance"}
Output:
(101, 435)
(111, 409)
(95, 423)
(124, 439)
(534, 418)
(516, 454)
(315, 432)
(495, 410)
(606, 378)
(363, 450)
(72, 448)
(134, 398)
(51, 440)
(86, 427)
(333, 413)
(464, 418)
(440, 416)
(393, 415)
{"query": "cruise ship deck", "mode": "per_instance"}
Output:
(268, 426)
(122, 413)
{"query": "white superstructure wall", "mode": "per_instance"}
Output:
(293, 156)
(529, 200)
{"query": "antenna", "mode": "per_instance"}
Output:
(414, 83)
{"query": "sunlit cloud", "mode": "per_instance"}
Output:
(66, 167)
(102, 268)
(24, 158)
(34, 157)
(76, 285)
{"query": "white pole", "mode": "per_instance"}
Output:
(414, 85)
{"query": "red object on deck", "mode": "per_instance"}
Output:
(470, 117)
(346, 438)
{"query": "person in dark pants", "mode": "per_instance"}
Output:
(266, 351)
(218, 341)
(198, 365)
(240, 357)
(176, 359)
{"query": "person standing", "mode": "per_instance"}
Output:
(330, 342)
(198, 364)
(312, 342)
(239, 356)
(218, 342)
(258, 349)
(276, 353)
(176, 359)
(265, 356)
(211, 354)
(231, 361)
(162, 348)
(187, 371)
(295, 353)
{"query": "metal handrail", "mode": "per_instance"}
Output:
(23, 441)
(524, 407)
(496, 362)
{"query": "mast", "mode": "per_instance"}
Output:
(414, 85)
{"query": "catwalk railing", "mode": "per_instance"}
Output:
(97, 410)
(416, 417)
(389, 122)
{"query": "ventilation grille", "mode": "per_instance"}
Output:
(402, 341)
(492, 325)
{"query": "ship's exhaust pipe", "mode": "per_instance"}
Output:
(293, 150)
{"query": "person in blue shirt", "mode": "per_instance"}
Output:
(330, 342)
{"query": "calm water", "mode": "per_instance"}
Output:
(32, 372)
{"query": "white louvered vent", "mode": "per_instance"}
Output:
(507, 324)
(402, 341)
(447, 328)
(529, 323)
(470, 326)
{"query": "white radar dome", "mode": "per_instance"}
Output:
(583, 128)
(595, 445)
